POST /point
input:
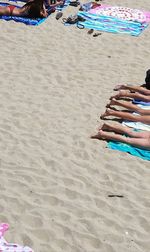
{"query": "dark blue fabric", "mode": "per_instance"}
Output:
(135, 101)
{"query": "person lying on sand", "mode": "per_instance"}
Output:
(128, 105)
(32, 9)
(137, 139)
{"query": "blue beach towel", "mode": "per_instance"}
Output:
(135, 101)
(27, 21)
(141, 153)
(110, 24)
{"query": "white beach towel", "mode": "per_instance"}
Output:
(138, 125)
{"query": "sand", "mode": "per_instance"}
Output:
(55, 180)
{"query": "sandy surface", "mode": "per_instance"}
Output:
(55, 181)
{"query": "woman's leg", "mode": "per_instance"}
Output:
(139, 89)
(121, 129)
(129, 106)
(126, 116)
(137, 142)
(128, 94)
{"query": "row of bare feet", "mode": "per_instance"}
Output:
(108, 112)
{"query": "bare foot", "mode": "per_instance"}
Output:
(107, 113)
(121, 93)
(113, 102)
(108, 105)
(115, 96)
(119, 87)
(99, 135)
(105, 126)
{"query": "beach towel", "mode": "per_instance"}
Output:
(141, 153)
(147, 107)
(110, 24)
(25, 20)
(10, 247)
(135, 101)
(138, 125)
(120, 12)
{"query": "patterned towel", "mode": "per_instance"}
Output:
(120, 12)
(110, 24)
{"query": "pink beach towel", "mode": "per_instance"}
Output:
(10, 247)
(124, 13)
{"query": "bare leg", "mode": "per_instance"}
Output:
(137, 142)
(126, 116)
(140, 89)
(120, 94)
(119, 87)
(128, 94)
(129, 106)
(118, 128)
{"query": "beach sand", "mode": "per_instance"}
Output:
(55, 180)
